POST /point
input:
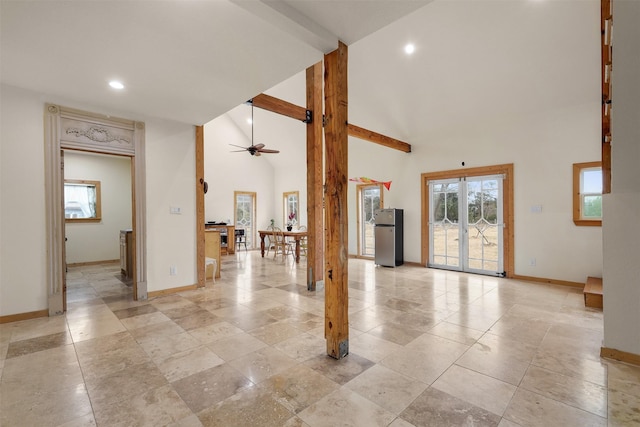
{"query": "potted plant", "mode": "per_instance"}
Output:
(290, 219)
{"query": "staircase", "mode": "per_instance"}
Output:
(593, 292)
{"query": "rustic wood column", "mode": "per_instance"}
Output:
(200, 205)
(315, 229)
(336, 326)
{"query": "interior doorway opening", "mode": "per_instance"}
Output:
(70, 129)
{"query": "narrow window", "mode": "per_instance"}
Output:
(587, 194)
(290, 209)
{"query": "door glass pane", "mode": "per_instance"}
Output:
(445, 227)
(370, 202)
(482, 224)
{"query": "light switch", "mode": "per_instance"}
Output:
(175, 210)
(536, 209)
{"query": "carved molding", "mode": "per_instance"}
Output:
(98, 134)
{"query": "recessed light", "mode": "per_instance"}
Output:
(116, 84)
(409, 48)
(249, 121)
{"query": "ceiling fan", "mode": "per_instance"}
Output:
(257, 149)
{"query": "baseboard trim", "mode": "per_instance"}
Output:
(24, 316)
(82, 264)
(548, 281)
(171, 291)
(622, 356)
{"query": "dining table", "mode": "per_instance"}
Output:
(297, 235)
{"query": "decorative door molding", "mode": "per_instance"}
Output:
(67, 128)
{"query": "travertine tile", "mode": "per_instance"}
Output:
(160, 406)
(188, 362)
(371, 347)
(436, 408)
(572, 391)
(483, 391)
(213, 332)
(32, 345)
(251, 407)
(456, 333)
(302, 347)
(345, 407)
(499, 357)
(206, 388)
(262, 364)
(340, 371)
(388, 389)
(623, 409)
(236, 346)
(250, 349)
(531, 409)
(298, 387)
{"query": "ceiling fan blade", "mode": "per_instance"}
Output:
(237, 151)
(258, 146)
(239, 146)
(266, 150)
(256, 153)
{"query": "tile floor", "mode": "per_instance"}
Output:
(427, 348)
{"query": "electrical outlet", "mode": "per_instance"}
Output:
(175, 210)
(173, 270)
(532, 262)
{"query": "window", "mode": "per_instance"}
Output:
(82, 201)
(587, 193)
(290, 208)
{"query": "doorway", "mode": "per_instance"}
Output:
(98, 214)
(70, 129)
(244, 208)
(465, 224)
(369, 200)
(468, 220)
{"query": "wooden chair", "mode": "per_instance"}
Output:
(303, 241)
(280, 244)
(269, 241)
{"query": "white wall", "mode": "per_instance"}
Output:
(541, 146)
(621, 222)
(99, 241)
(22, 224)
(226, 172)
(170, 167)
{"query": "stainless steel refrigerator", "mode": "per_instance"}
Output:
(389, 237)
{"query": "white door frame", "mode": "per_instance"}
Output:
(67, 128)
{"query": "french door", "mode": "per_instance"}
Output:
(369, 201)
(245, 214)
(466, 224)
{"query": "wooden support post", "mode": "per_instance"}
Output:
(315, 230)
(200, 204)
(336, 327)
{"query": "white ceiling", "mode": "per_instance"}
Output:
(476, 61)
(184, 60)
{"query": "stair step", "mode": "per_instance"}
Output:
(593, 292)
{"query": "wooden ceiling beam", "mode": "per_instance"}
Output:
(378, 138)
(279, 106)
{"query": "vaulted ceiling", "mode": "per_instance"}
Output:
(476, 61)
